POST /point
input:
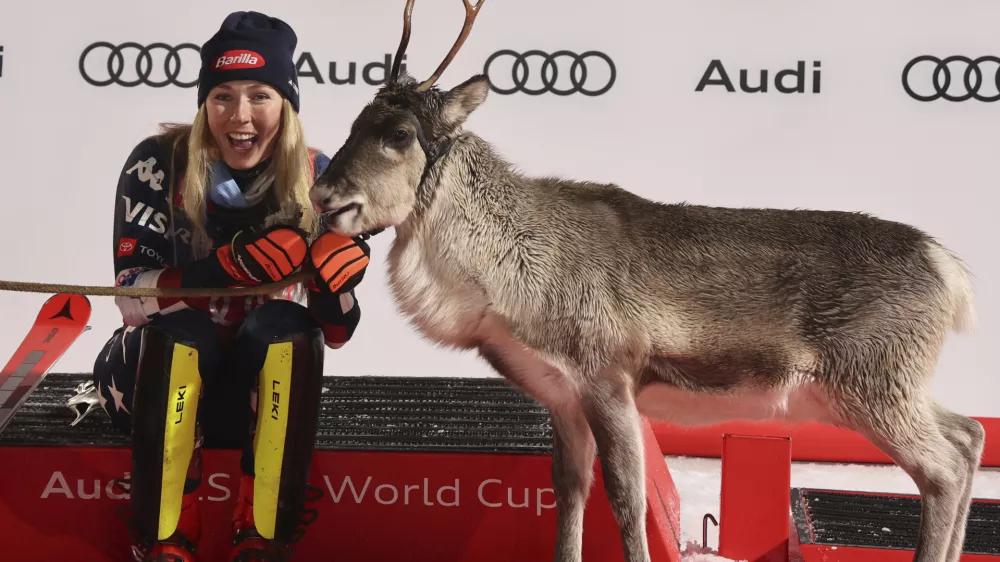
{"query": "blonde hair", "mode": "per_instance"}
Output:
(193, 150)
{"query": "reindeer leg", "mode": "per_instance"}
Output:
(573, 448)
(914, 437)
(573, 452)
(610, 409)
(968, 436)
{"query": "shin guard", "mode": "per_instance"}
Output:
(165, 405)
(288, 397)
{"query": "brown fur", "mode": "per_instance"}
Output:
(602, 304)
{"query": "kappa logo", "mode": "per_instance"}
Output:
(126, 247)
(238, 59)
(145, 171)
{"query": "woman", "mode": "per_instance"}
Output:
(202, 205)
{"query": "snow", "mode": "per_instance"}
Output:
(698, 481)
(696, 553)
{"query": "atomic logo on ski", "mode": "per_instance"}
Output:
(64, 313)
(59, 322)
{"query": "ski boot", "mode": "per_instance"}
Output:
(181, 546)
(248, 544)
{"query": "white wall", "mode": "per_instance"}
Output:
(861, 143)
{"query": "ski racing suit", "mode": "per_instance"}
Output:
(222, 372)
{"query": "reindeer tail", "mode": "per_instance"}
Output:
(958, 281)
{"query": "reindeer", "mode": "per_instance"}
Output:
(604, 306)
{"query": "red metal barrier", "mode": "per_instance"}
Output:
(57, 503)
(826, 553)
(754, 511)
(811, 441)
(663, 506)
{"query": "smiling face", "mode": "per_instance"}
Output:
(244, 118)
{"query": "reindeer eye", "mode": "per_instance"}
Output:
(400, 138)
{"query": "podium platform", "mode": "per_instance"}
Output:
(842, 526)
(419, 469)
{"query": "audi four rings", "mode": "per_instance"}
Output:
(940, 80)
(166, 55)
(548, 71)
(108, 69)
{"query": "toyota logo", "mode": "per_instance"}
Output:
(954, 78)
(116, 66)
(583, 78)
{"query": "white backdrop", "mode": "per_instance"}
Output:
(859, 143)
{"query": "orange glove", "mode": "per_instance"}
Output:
(267, 256)
(252, 257)
(340, 262)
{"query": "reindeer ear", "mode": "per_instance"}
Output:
(463, 99)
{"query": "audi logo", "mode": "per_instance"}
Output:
(928, 78)
(116, 66)
(583, 78)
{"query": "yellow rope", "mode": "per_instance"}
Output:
(30, 287)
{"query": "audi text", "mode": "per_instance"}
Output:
(372, 73)
(786, 80)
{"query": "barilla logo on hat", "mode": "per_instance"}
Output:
(233, 60)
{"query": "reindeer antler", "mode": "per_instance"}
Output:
(470, 17)
(403, 42)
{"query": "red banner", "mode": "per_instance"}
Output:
(59, 501)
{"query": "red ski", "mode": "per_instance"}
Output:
(60, 321)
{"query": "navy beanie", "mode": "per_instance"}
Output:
(250, 46)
